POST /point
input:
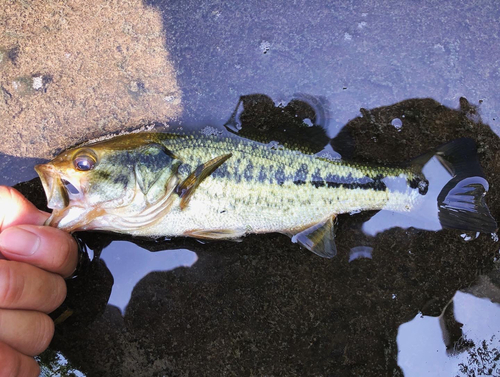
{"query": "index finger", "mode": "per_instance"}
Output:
(15, 209)
(21, 239)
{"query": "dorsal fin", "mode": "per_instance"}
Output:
(186, 189)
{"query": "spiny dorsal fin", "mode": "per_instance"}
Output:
(319, 238)
(186, 189)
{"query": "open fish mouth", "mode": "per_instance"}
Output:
(63, 196)
(71, 189)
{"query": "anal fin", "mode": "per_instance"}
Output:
(319, 238)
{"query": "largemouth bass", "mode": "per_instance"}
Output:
(214, 187)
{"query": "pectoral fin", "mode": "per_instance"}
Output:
(319, 238)
(186, 189)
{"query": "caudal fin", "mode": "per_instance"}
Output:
(461, 201)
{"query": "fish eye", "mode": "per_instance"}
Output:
(84, 162)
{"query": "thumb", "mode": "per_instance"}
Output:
(16, 209)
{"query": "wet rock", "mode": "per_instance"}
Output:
(64, 81)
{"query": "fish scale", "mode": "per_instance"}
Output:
(270, 160)
(211, 187)
(288, 204)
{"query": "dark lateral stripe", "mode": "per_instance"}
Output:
(273, 174)
(348, 182)
(376, 186)
(419, 183)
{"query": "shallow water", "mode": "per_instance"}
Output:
(400, 286)
(396, 300)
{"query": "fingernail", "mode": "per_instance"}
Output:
(19, 241)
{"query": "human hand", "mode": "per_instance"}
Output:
(35, 261)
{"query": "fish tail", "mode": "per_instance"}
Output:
(461, 202)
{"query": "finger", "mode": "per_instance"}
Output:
(16, 209)
(48, 248)
(23, 286)
(29, 332)
(15, 364)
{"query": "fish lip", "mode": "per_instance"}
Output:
(55, 186)
(47, 174)
(42, 170)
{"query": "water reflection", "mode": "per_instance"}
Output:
(129, 264)
(57, 365)
(422, 349)
(358, 252)
(265, 300)
(299, 122)
(426, 216)
(265, 307)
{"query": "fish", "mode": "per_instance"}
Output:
(217, 187)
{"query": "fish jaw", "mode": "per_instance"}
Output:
(76, 218)
(57, 196)
(62, 219)
(69, 211)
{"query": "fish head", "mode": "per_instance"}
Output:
(66, 176)
(86, 184)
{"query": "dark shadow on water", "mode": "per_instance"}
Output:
(265, 306)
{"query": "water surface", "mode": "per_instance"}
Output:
(386, 80)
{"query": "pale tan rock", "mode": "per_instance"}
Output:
(76, 70)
